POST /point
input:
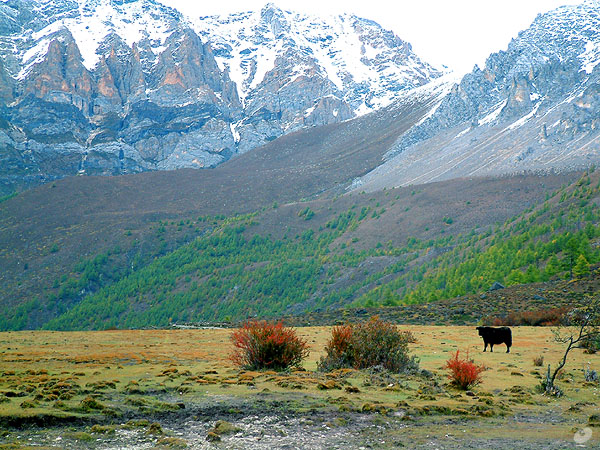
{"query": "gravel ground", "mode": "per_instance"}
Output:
(310, 431)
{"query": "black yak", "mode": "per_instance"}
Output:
(493, 336)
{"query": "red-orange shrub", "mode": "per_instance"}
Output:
(368, 344)
(266, 345)
(464, 373)
(338, 349)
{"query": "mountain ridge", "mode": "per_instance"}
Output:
(141, 88)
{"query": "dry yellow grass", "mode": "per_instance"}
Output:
(136, 353)
(48, 369)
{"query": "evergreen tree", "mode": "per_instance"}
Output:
(582, 267)
(552, 266)
(571, 254)
(532, 274)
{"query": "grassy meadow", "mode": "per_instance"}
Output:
(178, 389)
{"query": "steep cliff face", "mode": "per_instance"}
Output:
(107, 87)
(61, 76)
(533, 107)
(294, 94)
(7, 86)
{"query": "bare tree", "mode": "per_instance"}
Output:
(582, 328)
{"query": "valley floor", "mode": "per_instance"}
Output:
(177, 389)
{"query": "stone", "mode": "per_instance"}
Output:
(496, 286)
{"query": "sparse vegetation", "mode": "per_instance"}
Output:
(307, 213)
(181, 372)
(584, 325)
(538, 361)
(322, 266)
(591, 376)
(541, 317)
(7, 197)
(591, 344)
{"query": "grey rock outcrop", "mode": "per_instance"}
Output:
(7, 86)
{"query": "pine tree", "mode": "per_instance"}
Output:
(552, 266)
(572, 252)
(582, 267)
(532, 274)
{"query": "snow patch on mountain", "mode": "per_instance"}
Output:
(523, 120)
(590, 58)
(94, 20)
(533, 107)
(492, 116)
(562, 34)
(369, 66)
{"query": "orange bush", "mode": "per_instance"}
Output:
(338, 350)
(368, 344)
(266, 345)
(464, 373)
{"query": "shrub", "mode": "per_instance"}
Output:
(591, 345)
(368, 344)
(538, 361)
(535, 318)
(590, 375)
(338, 351)
(266, 345)
(464, 373)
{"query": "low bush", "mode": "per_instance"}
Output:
(369, 344)
(338, 349)
(464, 373)
(536, 318)
(590, 375)
(538, 361)
(591, 345)
(265, 345)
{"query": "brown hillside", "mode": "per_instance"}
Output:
(46, 230)
(403, 213)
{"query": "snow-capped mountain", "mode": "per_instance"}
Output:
(115, 86)
(533, 107)
(368, 65)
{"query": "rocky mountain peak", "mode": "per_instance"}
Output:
(273, 19)
(61, 76)
(531, 108)
(370, 65)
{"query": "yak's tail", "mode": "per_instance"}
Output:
(509, 337)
